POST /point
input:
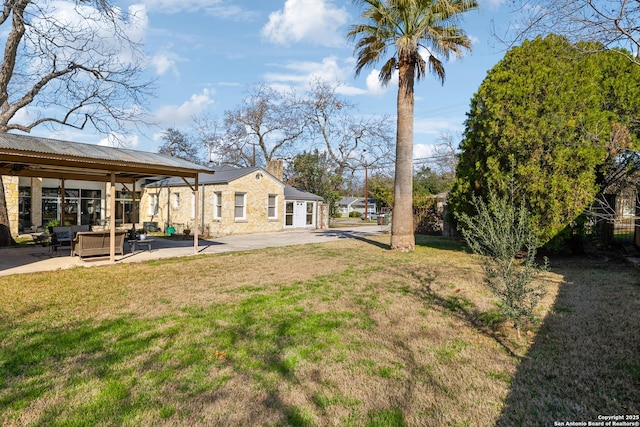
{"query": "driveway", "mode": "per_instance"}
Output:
(34, 259)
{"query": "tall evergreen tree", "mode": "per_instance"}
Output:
(543, 117)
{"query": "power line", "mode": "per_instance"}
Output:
(442, 110)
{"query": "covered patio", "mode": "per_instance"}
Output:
(28, 156)
(36, 259)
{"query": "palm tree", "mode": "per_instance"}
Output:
(417, 31)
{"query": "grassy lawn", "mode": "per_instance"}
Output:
(344, 333)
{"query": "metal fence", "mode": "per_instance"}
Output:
(616, 217)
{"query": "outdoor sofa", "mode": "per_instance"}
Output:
(93, 243)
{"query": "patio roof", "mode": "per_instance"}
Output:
(29, 156)
(36, 157)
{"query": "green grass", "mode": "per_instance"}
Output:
(308, 337)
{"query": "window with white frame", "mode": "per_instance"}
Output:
(309, 217)
(240, 207)
(272, 206)
(153, 204)
(288, 214)
(193, 205)
(176, 200)
(217, 210)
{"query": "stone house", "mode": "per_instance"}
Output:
(233, 201)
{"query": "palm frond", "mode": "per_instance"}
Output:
(386, 73)
(407, 25)
(436, 67)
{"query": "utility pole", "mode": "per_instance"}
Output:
(366, 192)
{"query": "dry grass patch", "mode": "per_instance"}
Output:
(340, 333)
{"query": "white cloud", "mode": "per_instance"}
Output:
(24, 115)
(330, 69)
(421, 151)
(163, 63)
(303, 72)
(350, 90)
(316, 21)
(85, 19)
(375, 87)
(120, 140)
(176, 115)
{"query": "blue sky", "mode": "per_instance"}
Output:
(205, 53)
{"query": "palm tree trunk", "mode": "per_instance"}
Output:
(402, 237)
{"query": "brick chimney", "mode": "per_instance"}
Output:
(275, 167)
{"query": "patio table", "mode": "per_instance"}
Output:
(134, 243)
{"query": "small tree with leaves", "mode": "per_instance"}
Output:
(315, 172)
(501, 232)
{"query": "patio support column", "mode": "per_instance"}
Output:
(112, 219)
(197, 216)
(168, 208)
(134, 208)
(62, 202)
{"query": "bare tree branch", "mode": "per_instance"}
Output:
(336, 127)
(613, 23)
(70, 71)
(265, 126)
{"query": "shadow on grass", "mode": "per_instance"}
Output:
(488, 323)
(441, 242)
(585, 360)
(115, 371)
(39, 359)
(435, 242)
(365, 237)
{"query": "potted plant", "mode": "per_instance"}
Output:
(142, 234)
(52, 223)
(187, 231)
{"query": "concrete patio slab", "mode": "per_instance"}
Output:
(38, 258)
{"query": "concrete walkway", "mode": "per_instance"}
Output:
(38, 258)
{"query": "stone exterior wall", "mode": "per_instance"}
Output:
(36, 201)
(323, 216)
(176, 206)
(257, 186)
(11, 191)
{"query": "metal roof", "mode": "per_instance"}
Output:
(22, 155)
(223, 174)
(293, 193)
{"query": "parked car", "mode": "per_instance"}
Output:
(372, 216)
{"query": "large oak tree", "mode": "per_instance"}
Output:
(265, 126)
(68, 63)
(350, 139)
